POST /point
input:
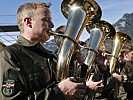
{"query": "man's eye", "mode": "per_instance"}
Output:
(45, 19)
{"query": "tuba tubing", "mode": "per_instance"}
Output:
(78, 13)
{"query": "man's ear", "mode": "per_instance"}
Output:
(28, 21)
(125, 54)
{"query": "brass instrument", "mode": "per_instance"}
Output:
(118, 42)
(78, 12)
(99, 31)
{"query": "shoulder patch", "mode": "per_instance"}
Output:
(8, 87)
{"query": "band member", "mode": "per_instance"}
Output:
(27, 68)
(127, 70)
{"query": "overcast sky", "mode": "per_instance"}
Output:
(112, 10)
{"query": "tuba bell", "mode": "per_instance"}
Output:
(118, 42)
(99, 31)
(78, 13)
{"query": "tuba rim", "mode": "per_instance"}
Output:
(104, 26)
(124, 37)
(87, 5)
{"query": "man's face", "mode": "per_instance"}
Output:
(129, 56)
(42, 23)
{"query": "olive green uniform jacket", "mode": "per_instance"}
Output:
(127, 92)
(27, 72)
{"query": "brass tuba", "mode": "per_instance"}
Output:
(78, 13)
(99, 31)
(118, 42)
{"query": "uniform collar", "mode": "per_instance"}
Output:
(24, 42)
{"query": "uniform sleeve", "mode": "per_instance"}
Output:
(11, 83)
(110, 81)
(53, 93)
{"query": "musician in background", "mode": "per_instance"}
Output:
(127, 71)
(58, 39)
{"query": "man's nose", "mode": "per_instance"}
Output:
(51, 25)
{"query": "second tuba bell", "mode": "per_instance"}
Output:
(99, 31)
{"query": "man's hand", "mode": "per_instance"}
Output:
(72, 89)
(119, 78)
(95, 86)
